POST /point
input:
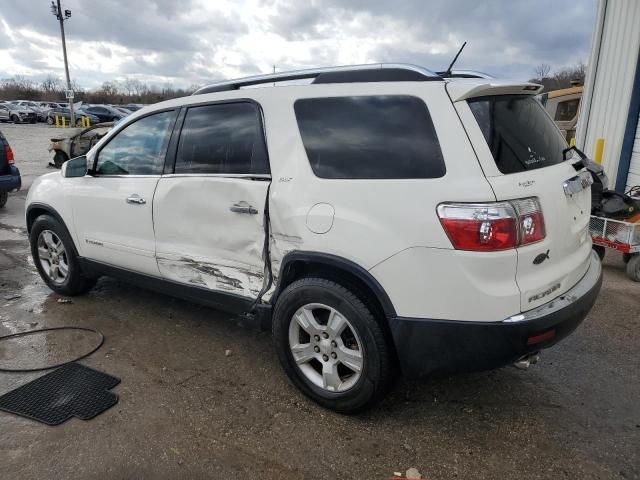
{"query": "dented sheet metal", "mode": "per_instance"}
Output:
(240, 280)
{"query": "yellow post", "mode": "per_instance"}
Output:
(87, 122)
(572, 142)
(597, 154)
(64, 122)
(57, 121)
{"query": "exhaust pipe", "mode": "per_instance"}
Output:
(525, 362)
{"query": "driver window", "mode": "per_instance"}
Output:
(138, 149)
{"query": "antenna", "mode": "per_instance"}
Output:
(448, 72)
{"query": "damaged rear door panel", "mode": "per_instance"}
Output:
(209, 216)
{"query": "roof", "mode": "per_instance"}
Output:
(565, 91)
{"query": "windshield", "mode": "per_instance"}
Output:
(520, 134)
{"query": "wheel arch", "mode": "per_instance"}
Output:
(299, 264)
(35, 210)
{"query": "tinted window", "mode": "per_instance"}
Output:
(369, 137)
(520, 135)
(139, 149)
(567, 110)
(223, 138)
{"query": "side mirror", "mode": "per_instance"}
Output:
(76, 167)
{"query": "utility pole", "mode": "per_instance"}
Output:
(62, 16)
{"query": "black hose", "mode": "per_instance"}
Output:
(30, 332)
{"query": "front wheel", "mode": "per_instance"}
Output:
(15, 119)
(54, 257)
(633, 267)
(59, 158)
(331, 346)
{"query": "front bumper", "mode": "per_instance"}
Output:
(443, 346)
(11, 182)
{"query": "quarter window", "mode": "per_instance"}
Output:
(369, 137)
(138, 149)
(224, 138)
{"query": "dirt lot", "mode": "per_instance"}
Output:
(188, 411)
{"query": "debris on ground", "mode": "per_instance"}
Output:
(13, 296)
(64, 300)
(227, 353)
(413, 473)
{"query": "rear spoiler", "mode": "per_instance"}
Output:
(462, 90)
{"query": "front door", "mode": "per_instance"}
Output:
(209, 213)
(112, 206)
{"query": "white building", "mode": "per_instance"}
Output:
(611, 100)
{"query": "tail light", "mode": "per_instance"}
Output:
(492, 226)
(8, 153)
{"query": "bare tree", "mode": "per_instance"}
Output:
(542, 71)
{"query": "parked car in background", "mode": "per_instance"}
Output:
(46, 106)
(73, 142)
(10, 180)
(479, 210)
(10, 112)
(66, 114)
(41, 113)
(105, 113)
(124, 111)
(564, 106)
(134, 107)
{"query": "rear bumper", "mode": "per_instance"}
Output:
(442, 346)
(11, 182)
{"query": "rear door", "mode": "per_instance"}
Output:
(209, 209)
(521, 152)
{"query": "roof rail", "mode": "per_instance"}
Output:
(377, 72)
(465, 74)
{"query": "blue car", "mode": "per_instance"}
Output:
(10, 180)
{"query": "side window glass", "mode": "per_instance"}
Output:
(222, 138)
(567, 110)
(138, 149)
(369, 137)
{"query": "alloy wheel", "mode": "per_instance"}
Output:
(53, 256)
(326, 347)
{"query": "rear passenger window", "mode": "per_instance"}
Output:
(369, 137)
(223, 138)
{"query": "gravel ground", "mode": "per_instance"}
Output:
(187, 410)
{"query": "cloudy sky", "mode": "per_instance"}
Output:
(185, 42)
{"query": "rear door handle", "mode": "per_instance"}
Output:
(243, 207)
(136, 199)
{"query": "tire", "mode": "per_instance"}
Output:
(626, 257)
(59, 158)
(4, 196)
(633, 267)
(74, 282)
(50, 120)
(352, 391)
(600, 250)
(15, 119)
(79, 122)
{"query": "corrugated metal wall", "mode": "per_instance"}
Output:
(634, 168)
(609, 81)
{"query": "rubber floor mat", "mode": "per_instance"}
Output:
(70, 391)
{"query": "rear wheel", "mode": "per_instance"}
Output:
(50, 120)
(15, 119)
(3, 198)
(54, 257)
(330, 345)
(633, 267)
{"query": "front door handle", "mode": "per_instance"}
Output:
(136, 200)
(243, 207)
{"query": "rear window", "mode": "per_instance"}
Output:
(520, 135)
(369, 137)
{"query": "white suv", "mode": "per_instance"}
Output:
(376, 217)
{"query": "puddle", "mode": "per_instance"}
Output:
(42, 349)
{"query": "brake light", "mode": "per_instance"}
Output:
(8, 153)
(492, 226)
